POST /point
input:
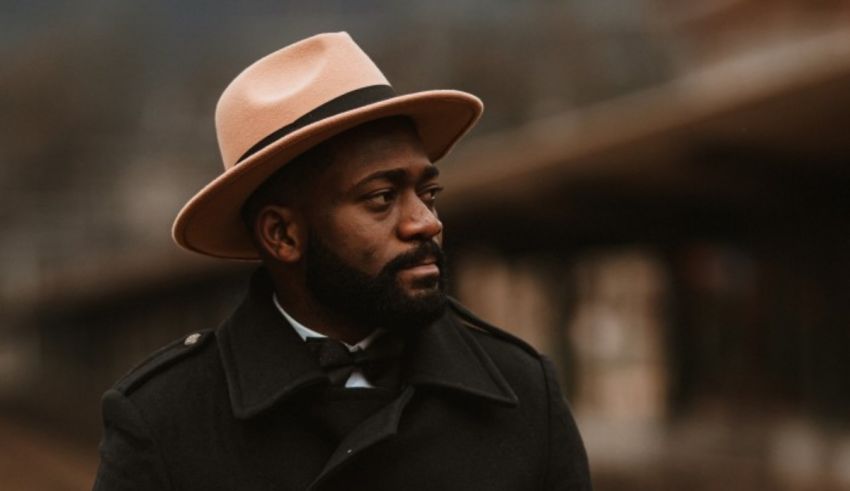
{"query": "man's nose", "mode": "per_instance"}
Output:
(419, 221)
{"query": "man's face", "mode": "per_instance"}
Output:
(374, 238)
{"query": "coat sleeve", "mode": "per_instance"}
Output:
(568, 468)
(129, 456)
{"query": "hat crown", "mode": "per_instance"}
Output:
(287, 84)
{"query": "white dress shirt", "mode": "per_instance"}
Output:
(356, 379)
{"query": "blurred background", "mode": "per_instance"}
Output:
(658, 197)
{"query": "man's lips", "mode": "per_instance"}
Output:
(427, 266)
(423, 270)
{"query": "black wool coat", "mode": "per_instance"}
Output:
(246, 407)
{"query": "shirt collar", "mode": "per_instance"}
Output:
(305, 332)
(265, 365)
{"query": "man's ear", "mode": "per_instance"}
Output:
(280, 233)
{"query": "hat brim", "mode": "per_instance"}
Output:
(211, 223)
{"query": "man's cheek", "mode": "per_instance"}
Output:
(369, 261)
(366, 261)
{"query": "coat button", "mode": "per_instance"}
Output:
(192, 339)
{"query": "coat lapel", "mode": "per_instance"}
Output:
(375, 429)
(264, 360)
(445, 355)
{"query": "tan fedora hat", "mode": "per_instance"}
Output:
(288, 102)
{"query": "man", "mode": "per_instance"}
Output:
(346, 367)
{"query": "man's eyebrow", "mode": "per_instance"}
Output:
(430, 172)
(392, 175)
(398, 175)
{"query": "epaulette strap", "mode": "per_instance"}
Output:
(161, 359)
(472, 321)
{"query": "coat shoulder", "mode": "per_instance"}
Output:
(479, 326)
(163, 359)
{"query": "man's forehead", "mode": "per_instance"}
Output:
(383, 143)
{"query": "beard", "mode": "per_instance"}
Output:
(379, 300)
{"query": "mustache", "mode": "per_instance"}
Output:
(414, 257)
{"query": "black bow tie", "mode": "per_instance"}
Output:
(378, 362)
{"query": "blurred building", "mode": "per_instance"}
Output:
(656, 199)
(692, 239)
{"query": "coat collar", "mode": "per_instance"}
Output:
(265, 362)
(446, 356)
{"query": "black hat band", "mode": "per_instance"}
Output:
(346, 102)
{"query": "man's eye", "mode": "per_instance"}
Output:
(430, 195)
(382, 198)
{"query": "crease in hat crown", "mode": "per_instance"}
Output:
(283, 86)
(290, 101)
